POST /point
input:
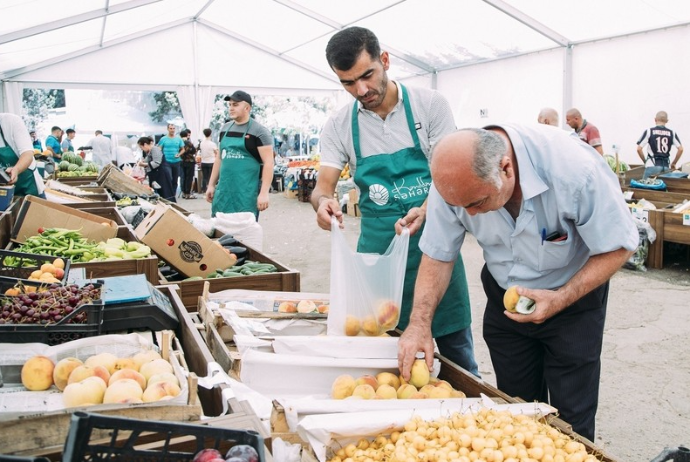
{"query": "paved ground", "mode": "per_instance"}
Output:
(645, 384)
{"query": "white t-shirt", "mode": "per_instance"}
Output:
(124, 155)
(102, 153)
(17, 136)
(208, 151)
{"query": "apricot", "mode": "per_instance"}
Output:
(343, 386)
(364, 391)
(419, 374)
(405, 391)
(370, 326)
(510, 298)
(157, 366)
(123, 391)
(427, 388)
(87, 392)
(352, 326)
(163, 377)
(388, 378)
(48, 268)
(37, 373)
(104, 359)
(287, 307)
(367, 379)
(386, 392)
(306, 306)
(387, 315)
(82, 372)
(62, 371)
(128, 374)
(125, 363)
(144, 357)
(59, 263)
(160, 391)
(439, 393)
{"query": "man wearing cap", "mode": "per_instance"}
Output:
(242, 173)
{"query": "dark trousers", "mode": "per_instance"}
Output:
(187, 177)
(161, 175)
(175, 171)
(556, 362)
(206, 170)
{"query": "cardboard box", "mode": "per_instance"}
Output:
(38, 213)
(179, 243)
(291, 193)
(353, 204)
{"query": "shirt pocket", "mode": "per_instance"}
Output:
(555, 255)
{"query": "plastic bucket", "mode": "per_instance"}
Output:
(6, 195)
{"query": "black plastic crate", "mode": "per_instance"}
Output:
(27, 264)
(679, 454)
(94, 437)
(4, 458)
(57, 333)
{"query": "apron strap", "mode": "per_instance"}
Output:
(408, 115)
(32, 165)
(3, 137)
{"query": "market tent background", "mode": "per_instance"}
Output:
(618, 61)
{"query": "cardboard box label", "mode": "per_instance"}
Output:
(191, 251)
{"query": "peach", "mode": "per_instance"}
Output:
(439, 393)
(405, 391)
(105, 359)
(352, 326)
(287, 307)
(123, 391)
(157, 366)
(81, 372)
(387, 315)
(388, 378)
(370, 326)
(306, 306)
(37, 373)
(63, 369)
(323, 309)
(125, 363)
(160, 391)
(343, 386)
(369, 380)
(87, 392)
(419, 373)
(418, 395)
(427, 388)
(386, 391)
(457, 394)
(365, 391)
(444, 384)
(163, 377)
(128, 374)
(144, 357)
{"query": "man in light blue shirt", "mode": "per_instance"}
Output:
(551, 219)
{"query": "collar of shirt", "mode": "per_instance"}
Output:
(531, 183)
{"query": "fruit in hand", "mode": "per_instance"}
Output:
(517, 303)
(419, 374)
(37, 373)
(244, 452)
(206, 455)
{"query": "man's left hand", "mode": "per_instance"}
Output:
(262, 201)
(413, 221)
(12, 171)
(547, 305)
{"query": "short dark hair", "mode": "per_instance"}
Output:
(144, 140)
(344, 48)
(207, 132)
(99, 132)
(70, 130)
(55, 127)
(184, 133)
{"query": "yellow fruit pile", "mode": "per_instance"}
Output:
(387, 385)
(103, 378)
(49, 272)
(488, 435)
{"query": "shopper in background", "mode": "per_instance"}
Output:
(124, 157)
(243, 172)
(585, 130)
(66, 144)
(172, 146)
(548, 116)
(551, 220)
(659, 140)
(101, 150)
(386, 137)
(188, 158)
(17, 157)
(36, 142)
(53, 143)
(209, 151)
(154, 163)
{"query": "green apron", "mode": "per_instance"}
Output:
(237, 189)
(26, 181)
(390, 185)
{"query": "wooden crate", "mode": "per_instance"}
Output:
(48, 431)
(7, 219)
(115, 180)
(109, 213)
(285, 280)
(76, 180)
(669, 228)
(677, 185)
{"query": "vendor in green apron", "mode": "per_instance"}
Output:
(243, 172)
(386, 137)
(17, 157)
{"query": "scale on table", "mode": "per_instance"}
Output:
(133, 303)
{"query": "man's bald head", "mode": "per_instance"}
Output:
(468, 161)
(661, 118)
(548, 116)
(573, 118)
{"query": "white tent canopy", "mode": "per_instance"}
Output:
(619, 61)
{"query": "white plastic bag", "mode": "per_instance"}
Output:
(366, 289)
(243, 227)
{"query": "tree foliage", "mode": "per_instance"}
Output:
(35, 104)
(167, 106)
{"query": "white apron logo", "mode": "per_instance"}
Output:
(378, 194)
(231, 154)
